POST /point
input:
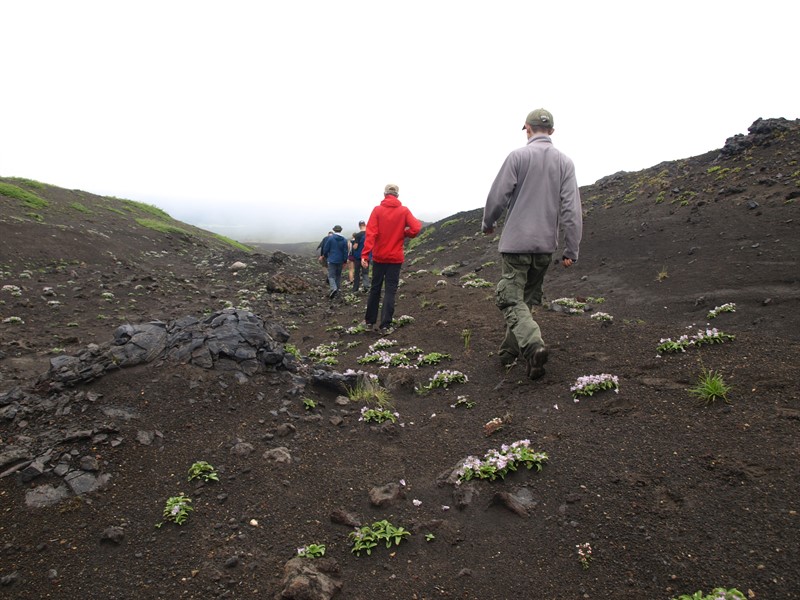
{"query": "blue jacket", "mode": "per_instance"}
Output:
(335, 249)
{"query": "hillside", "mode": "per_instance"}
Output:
(130, 350)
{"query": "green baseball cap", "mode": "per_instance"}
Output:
(539, 118)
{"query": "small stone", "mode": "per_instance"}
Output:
(232, 562)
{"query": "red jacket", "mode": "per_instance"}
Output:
(389, 225)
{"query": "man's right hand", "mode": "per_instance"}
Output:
(364, 263)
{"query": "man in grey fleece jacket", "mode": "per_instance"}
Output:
(538, 187)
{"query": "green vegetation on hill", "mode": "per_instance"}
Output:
(28, 199)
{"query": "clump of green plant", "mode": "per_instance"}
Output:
(291, 349)
(309, 403)
(450, 222)
(402, 320)
(662, 274)
(702, 337)
(432, 358)
(571, 305)
(593, 300)
(177, 510)
(311, 551)
(325, 354)
(477, 282)
(716, 594)
(718, 310)
(202, 470)
(368, 390)
(14, 321)
(443, 379)
(498, 463)
(710, 386)
(365, 538)
(378, 415)
(602, 317)
(466, 335)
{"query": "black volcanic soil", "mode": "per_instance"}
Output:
(673, 495)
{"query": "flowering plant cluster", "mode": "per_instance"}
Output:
(382, 344)
(497, 463)
(14, 320)
(311, 551)
(716, 594)
(379, 415)
(442, 379)
(571, 304)
(13, 289)
(177, 509)
(707, 336)
(386, 359)
(602, 317)
(325, 353)
(402, 320)
(366, 538)
(356, 329)
(477, 283)
(463, 401)
(718, 310)
(587, 385)
(584, 554)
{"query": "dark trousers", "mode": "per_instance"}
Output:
(390, 273)
(360, 276)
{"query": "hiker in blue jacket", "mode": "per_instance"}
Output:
(334, 251)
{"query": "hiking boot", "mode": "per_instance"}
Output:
(333, 294)
(506, 358)
(535, 362)
(387, 330)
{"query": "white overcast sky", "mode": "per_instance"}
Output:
(275, 120)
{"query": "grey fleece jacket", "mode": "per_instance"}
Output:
(538, 187)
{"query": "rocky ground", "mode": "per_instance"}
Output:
(133, 346)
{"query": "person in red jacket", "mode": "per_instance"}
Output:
(387, 228)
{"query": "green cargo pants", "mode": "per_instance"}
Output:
(519, 290)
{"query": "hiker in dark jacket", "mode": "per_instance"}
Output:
(361, 274)
(334, 251)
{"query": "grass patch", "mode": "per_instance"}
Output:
(80, 208)
(426, 233)
(162, 227)
(233, 243)
(31, 183)
(27, 198)
(35, 216)
(132, 205)
(710, 386)
(116, 210)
